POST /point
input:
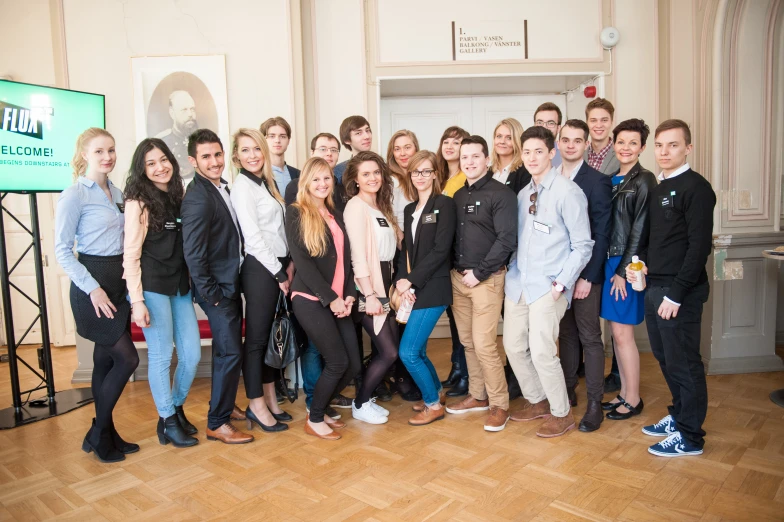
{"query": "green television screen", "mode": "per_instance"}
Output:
(38, 130)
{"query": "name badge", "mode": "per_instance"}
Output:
(121, 207)
(541, 227)
(429, 218)
(382, 222)
(665, 201)
(473, 208)
(170, 225)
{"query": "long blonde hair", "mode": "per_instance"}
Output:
(312, 227)
(266, 169)
(78, 163)
(396, 170)
(516, 128)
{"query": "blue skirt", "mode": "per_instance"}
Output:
(628, 311)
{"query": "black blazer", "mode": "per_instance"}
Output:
(339, 196)
(430, 254)
(598, 190)
(211, 243)
(517, 179)
(314, 275)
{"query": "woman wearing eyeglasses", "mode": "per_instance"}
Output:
(424, 279)
(506, 158)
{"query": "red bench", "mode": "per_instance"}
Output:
(137, 335)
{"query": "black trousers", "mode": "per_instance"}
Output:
(676, 345)
(226, 325)
(580, 325)
(336, 341)
(261, 298)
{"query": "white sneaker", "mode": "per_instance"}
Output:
(379, 409)
(367, 414)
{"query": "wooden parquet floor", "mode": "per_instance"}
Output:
(450, 470)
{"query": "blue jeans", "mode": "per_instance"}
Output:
(413, 352)
(172, 321)
(311, 370)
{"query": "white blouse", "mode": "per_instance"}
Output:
(399, 202)
(386, 241)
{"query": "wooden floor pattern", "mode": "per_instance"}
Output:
(450, 470)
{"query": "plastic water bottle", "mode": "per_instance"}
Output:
(636, 266)
(404, 310)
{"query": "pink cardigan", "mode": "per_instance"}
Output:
(364, 255)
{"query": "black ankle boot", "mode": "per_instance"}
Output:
(459, 389)
(454, 376)
(189, 428)
(572, 396)
(593, 417)
(100, 442)
(169, 430)
(124, 447)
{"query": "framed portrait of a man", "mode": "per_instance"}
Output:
(174, 96)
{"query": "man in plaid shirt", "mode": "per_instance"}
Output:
(600, 155)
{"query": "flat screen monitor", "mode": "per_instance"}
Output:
(38, 130)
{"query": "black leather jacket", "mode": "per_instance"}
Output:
(630, 221)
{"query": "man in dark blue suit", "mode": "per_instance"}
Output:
(580, 324)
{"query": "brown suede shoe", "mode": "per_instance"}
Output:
(237, 414)
(427, 416)
(468, 404)
(420, 405)
(228, 434)
(496, 419)
(556, 426)
(531, 411)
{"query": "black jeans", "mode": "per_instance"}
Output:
(261, 298)
(676, 345)
(458, 350)
(226, 325)
(336, 341)
(580, 325)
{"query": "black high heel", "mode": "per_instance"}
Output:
(633, 410)
(609, 406)
(251, 418)
(283, 416)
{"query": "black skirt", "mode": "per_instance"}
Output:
(108, 271)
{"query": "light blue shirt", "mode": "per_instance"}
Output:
(557, 160)
(555, 244)
(282, 177)
(86, 215)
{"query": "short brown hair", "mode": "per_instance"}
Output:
(539, 133)
(349, 125)
(327, 135)
(549, 106)
(675, 124)
(271, 122)
(577, 124)
(600, 103)
(415, 161)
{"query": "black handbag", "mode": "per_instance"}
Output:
(282, 348)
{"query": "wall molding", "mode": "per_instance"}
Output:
(733, 365)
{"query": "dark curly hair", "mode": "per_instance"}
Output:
(138, 186)
(385, 193)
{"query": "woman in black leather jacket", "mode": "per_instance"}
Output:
(621, 305)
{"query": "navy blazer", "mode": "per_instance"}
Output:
(598, 190)
(211, 243)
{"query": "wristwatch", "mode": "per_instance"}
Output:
(559, 287)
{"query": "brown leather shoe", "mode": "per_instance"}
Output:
(420, 405)
(556, 426)
(332, 423)
(531, 411)
(237, 414)
(468, 404)
(427, 416)
(496, 419)
(228, 434)
(328, 436)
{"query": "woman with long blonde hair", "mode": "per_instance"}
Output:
(323, 290)
(266, 271)
(507, 156)
(402, 146)
(91, 213)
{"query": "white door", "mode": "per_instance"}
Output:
(62, 330)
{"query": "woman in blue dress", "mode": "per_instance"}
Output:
(621, 305)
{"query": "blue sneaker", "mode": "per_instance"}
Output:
(663, 428)
(674, 446)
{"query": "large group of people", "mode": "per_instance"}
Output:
(540, 230)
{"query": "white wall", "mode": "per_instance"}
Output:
(26, 41)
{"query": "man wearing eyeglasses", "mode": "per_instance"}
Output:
(548, 115)
(324, 145)
(553, 246)
(485, 237)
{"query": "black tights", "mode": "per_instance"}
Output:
(386, 342)
(113, 365)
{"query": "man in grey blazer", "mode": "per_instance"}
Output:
(600, 155)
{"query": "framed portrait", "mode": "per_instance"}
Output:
(175, 95)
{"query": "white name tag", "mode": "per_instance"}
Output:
(541, 227)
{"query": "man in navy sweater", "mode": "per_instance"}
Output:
(681, 237)
(580, 324)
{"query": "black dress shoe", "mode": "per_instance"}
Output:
(459, 389)
(413, 395)
(382, 393)
(285, 417)
(593, 417)
(251, 417)
(124, 447)
(170, 430)
(569, 393)
(609, 406)
(189, 428)
(633, 410)
(612, 383)
(454, 376)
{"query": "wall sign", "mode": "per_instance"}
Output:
(489, 40)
